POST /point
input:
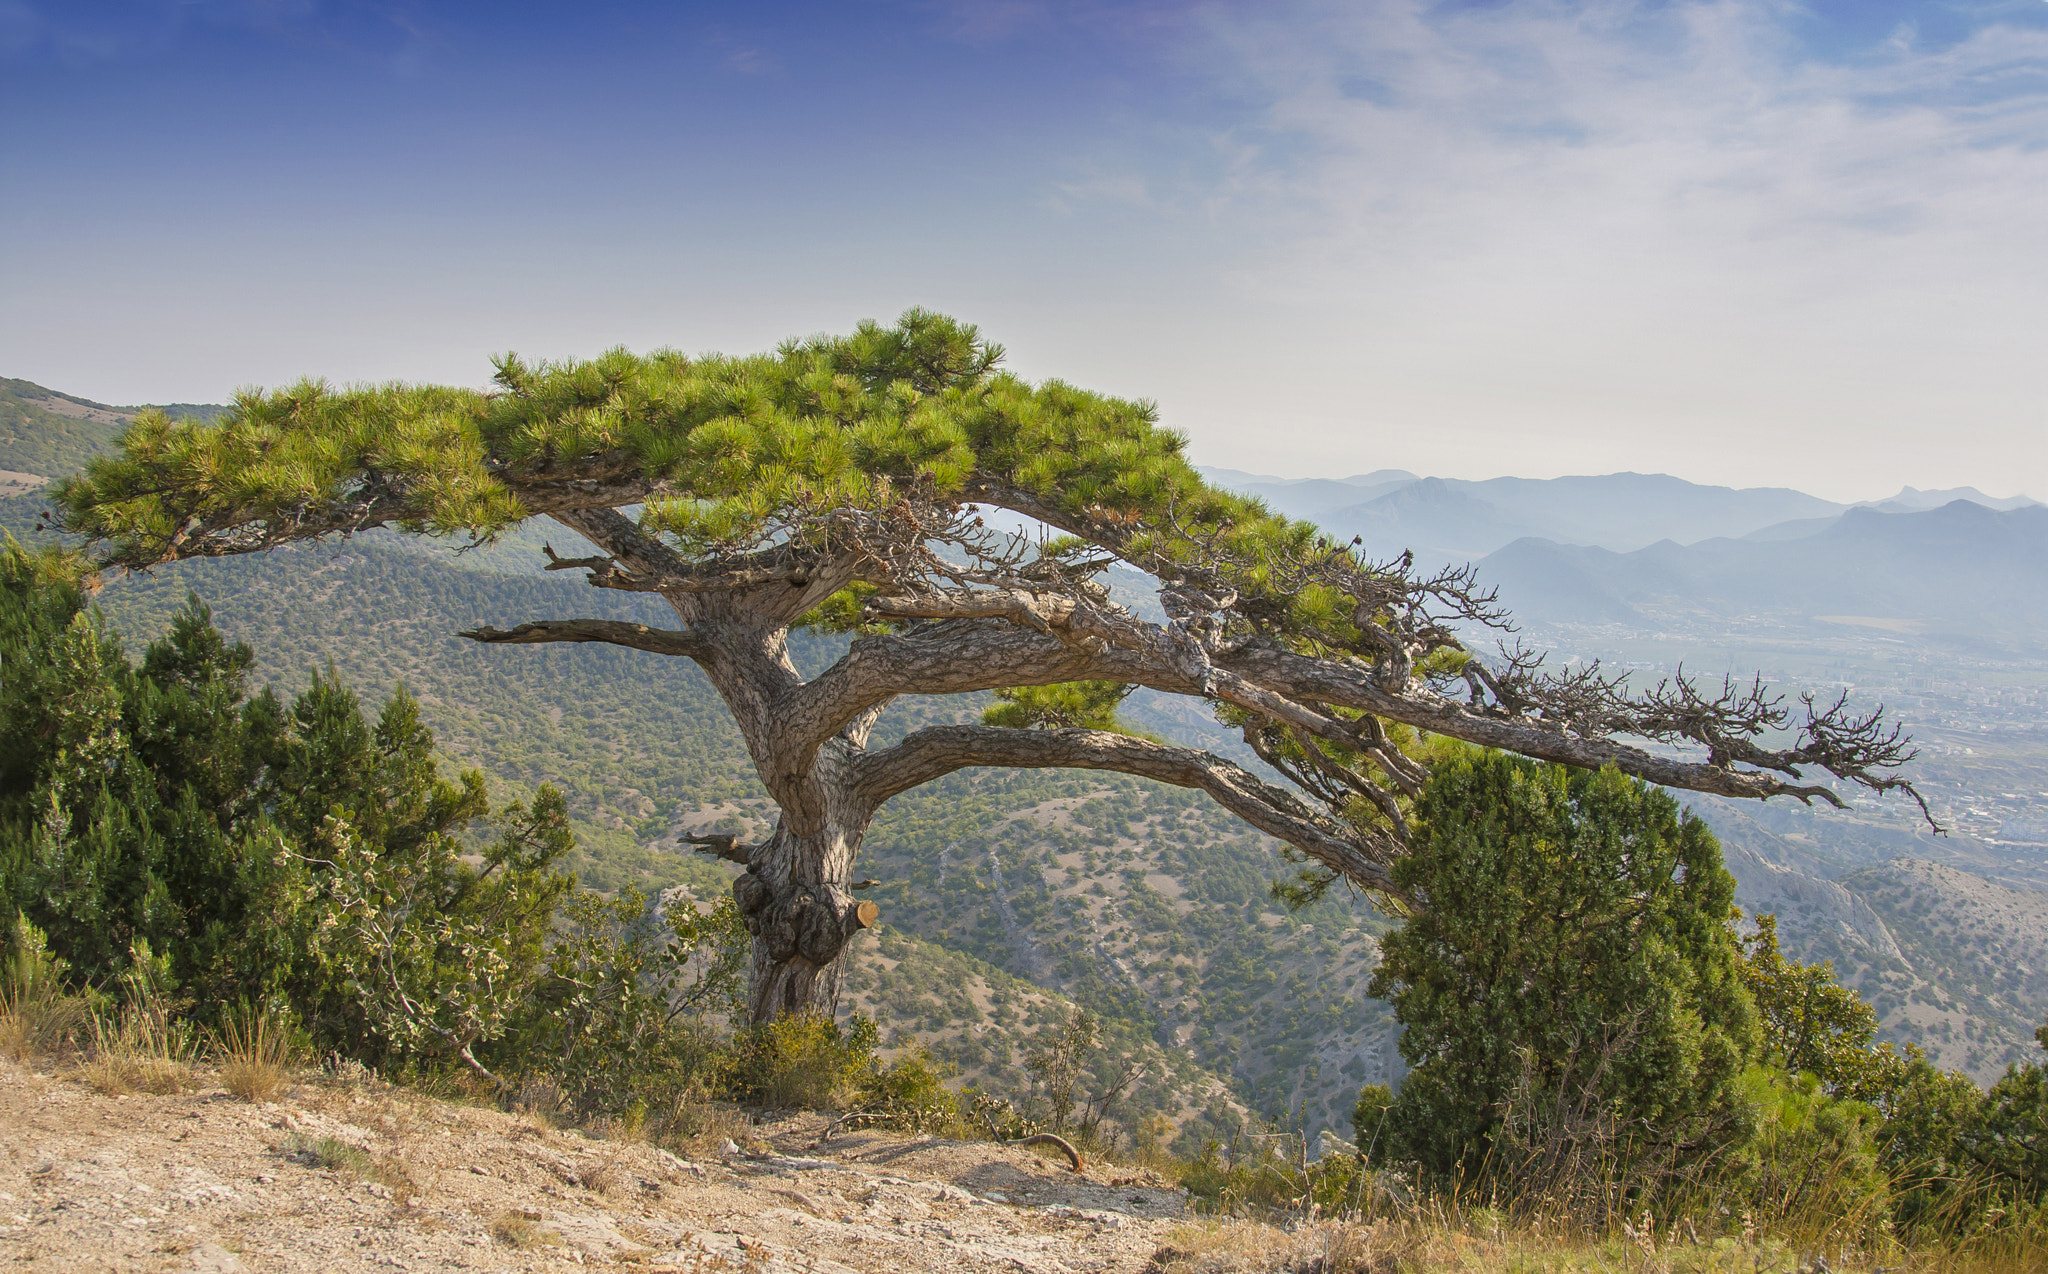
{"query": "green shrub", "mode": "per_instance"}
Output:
(910, 1094)
(631, 1003)
(1574, 964)
(1269, 1173)
(1929, 1116)
(1812, 1166)
(1369, 1118)
(2011, 1138)
(805, 1061)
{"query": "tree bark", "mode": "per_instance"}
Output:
(802, 916)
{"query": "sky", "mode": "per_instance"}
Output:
(1747, 243)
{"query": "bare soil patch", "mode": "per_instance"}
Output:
(333, 1177)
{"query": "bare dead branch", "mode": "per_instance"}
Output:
(660, 641)
(722, 845)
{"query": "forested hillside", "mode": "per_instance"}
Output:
(1150, 905)
(48, 434)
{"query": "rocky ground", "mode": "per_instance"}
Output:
(339, 1176)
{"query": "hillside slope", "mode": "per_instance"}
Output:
(1150, 905)
(1951, 960)
(49, 434)
(1972, 981)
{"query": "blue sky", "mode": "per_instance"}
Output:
(1753, 243)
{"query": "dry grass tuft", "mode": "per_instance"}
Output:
(38, 1021)
(143, 1050)
(541, 1099)
(519, 1230)
(699, 1130)
(346, 1072)
(607, 1178)
(255, 1052)
(37, 1017)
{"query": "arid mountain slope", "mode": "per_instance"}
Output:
(1950, 960)
(1975, 953)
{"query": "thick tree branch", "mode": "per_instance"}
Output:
(722, 845)
(778, 584)
(660, 641)
(1268, 680)
(1361, 855)
(641, 563)
(952, 658)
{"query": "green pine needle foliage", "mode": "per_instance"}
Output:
(1575, 940)
(1066, 705)
(728, 450)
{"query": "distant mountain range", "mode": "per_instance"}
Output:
(1632, 548)
(1958, 567)
(1446, 519)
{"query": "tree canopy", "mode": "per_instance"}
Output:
(846, 482)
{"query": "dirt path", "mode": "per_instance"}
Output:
(201, 1181)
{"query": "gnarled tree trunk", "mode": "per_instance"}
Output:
(795, 894)
(797, 903)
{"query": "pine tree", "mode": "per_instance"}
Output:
(841, 483)
(119, 790)
(1573, 959)
(303, 856)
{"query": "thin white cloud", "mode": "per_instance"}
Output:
(1544, 233)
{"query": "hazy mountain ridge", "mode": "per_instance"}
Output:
(1912, 499)
(1450, 520)
(1455, 519)
(1961, 566)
